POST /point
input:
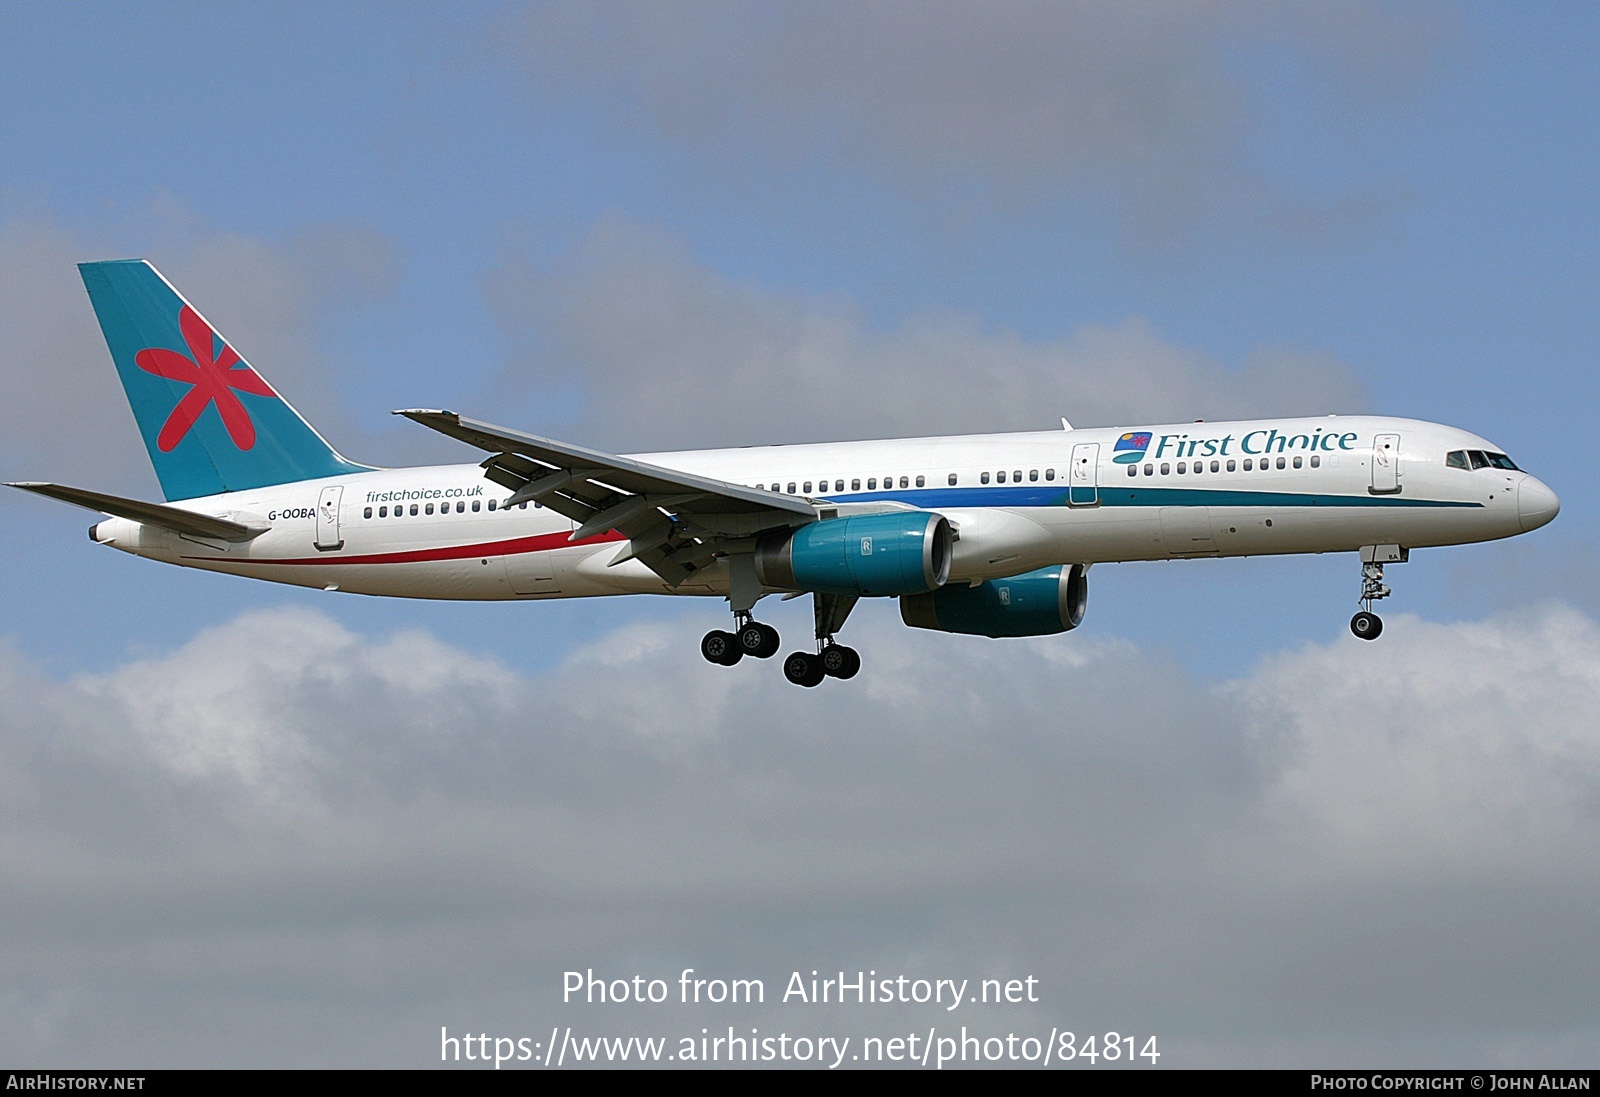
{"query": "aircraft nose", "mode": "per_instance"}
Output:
(1536, 504)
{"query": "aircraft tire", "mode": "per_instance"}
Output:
(759, 640)
(840, 662)
(721, 648)
(803, 669)
(1366, 625)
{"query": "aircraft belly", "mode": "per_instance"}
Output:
(1187, 531)
(593, 570)
(1102, 534)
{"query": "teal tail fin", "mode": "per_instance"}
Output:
(210, 422)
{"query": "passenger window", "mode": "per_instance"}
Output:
(1231, 465)
(921, 482)
(413, 510)
(428, 509)
(493, 503)
(1298, 461)
(1216, 466)
(903, 482)
(367, 513)
(383, 512)
(1033, 475)
(1280, 462)
(1247, 465)
(855, 485)
(1000, 477)
(1016, 477)
(461, 508)
(1183, 467)
(1133, 470)
(1149, 470)
(1049, 474)
(952, 479)
(476, 505)
(1316, 461)
(838, 485)
(872, 483)
(1166, 467)
(983, 478)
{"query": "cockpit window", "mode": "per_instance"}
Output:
(1478, 459)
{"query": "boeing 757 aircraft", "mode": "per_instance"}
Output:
(987, 535)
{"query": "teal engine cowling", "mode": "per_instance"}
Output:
(903, 552)
(1038, 603)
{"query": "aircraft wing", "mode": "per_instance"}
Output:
(676, 522)
(176, 519)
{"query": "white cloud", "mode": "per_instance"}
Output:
(319, 848)
(1451, 735)
(670, 354)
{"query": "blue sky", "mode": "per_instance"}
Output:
(644, 228)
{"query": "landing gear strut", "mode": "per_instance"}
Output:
(749, 636)
(1368, 625)
(832, 660)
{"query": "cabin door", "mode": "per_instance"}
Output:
(1083, 482)
(328, 537)
(1386, 464)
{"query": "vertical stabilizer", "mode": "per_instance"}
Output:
(210, 422)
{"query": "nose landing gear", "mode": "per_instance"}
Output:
(1367, 625)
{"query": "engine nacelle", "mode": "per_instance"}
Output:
(869, 554)
(1038, 603)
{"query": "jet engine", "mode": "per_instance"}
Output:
(1037, 603)
(871, 554)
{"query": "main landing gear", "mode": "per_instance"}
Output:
(1366, 624)
(833, 661)
(803, 668)
(750, 637)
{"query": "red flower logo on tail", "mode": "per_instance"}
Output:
(213, 378)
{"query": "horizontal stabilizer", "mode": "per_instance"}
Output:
(176, 519)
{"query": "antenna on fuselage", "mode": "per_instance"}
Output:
(1064, 424)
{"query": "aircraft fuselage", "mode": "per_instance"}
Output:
(1017, 502)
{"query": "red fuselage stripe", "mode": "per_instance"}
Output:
(512, 547)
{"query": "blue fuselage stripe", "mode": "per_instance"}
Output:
(1055, 495)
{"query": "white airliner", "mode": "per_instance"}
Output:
(989, 535)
